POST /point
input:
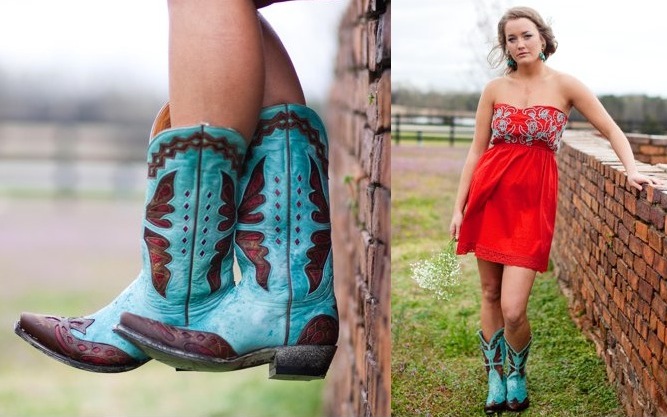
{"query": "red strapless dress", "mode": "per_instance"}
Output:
(511, 208)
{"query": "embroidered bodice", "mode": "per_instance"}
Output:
(534, 125)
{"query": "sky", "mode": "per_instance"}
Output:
(612, 46)
(83, 44)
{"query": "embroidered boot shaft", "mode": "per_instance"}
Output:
(190, 214)
(283, 311)
(517, 390)
(494, 360)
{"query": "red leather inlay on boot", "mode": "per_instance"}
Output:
(251, 245)
(321, 239)
(55, 334)
(157, 251)
(201, 343)
(250, 242)
(320, 330)
(199, 140)
(222, 247)
(159, 205)
(253, 197)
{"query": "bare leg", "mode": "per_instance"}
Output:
(491, 276)
(216, 64)
(516, 285)
(282, 82)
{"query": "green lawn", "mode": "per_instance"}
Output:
(73, 257)
(437, 368)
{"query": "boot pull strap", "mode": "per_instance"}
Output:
(162, 121)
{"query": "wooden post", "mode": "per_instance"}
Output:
(398, 128)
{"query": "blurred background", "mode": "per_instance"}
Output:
(610, 47)
(80, 84)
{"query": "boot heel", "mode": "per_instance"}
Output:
(301, 363)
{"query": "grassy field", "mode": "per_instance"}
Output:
(437, 368)
(71, 257)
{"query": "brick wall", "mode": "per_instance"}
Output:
(610, 255)
(651, 149)
(358, 118)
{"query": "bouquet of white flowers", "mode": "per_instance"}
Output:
(439, 273)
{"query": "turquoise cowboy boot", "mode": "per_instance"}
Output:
(517, 392)
(494, 359)
(190, 215)
(283, 311)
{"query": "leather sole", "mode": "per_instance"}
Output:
(301, 362)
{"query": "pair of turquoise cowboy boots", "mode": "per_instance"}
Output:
(505, 392)
(211, 198)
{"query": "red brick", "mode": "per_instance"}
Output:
(657, 217)
(652, 150)
(644, 210)
(660, 265)
(619, 299)
(633, 279)
(628, 258)
(648, 254)
(653, 322)
(641, 231)
(655, 345)
(641, 326)
(659, 394)
(644, 309)
(660, 332)
(623, 233)
(628, 220)
(653, 279)
(630, 202)
(645, 354)
(640, 266)
(655, 240)
(660, 307)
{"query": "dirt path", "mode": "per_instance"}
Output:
(427, 159)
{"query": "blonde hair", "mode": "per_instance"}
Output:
(499, 55)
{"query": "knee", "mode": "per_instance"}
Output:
(514, 316)
(491, 293)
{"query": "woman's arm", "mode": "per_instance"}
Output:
(593, 110)
(480, 143)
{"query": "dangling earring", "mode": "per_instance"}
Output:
(542, 56)
(511, 62)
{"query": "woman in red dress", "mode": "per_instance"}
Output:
(506, 203)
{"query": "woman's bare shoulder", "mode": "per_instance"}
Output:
(497, 82)
(493, 87)
(566, 81)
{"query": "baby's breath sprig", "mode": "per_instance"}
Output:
(439, 273)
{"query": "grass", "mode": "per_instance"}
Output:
(437, 368)
(79, 279)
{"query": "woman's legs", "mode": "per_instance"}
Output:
(491, 276)
(505, 292)
(516, 285)
(282, 83)
(216, 64)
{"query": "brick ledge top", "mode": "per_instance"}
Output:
(590, 143)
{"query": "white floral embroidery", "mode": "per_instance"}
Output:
(535, 124)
